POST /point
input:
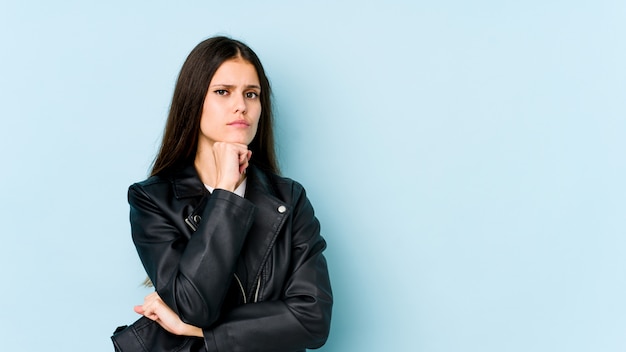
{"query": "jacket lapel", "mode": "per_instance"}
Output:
(269, 219)
(187, 185)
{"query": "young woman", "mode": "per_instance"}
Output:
(233, 250)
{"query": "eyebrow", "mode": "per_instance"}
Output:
(231, 86)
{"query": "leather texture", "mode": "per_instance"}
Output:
(249, 271)
(146, 335)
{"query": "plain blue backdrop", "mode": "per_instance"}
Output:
(465, 158)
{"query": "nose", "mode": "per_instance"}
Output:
(240, 104)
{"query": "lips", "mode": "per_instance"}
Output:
(239, 123)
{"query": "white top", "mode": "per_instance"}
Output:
(240, 191)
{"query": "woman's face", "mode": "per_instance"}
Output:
(232, 106)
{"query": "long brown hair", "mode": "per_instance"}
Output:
(180, 138)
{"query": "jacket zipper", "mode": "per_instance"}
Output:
(256, 294)
(243, 292)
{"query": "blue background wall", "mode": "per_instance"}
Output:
(466, 160)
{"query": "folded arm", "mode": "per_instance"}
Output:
(190, 274)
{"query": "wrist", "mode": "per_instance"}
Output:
(226, 187)
(194, 331)
(230, 186)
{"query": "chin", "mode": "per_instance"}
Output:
(240, 140)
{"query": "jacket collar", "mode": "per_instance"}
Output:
(186, 182)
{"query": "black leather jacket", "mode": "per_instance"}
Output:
(249, 271)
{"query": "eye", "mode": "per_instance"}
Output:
(252, 95)
(221, 92)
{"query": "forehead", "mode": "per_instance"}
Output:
(236, 71)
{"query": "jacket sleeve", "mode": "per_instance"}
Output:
(191, 277)
(301, 318)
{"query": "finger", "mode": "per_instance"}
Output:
(243, 159)
(150, 298)
(150, 306)
(146, 310)
(150, 314)
(243, 165)
(230, 162)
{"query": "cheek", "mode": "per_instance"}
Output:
(255, 129)
(209, 112)
(255, 126)
(255, 110)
